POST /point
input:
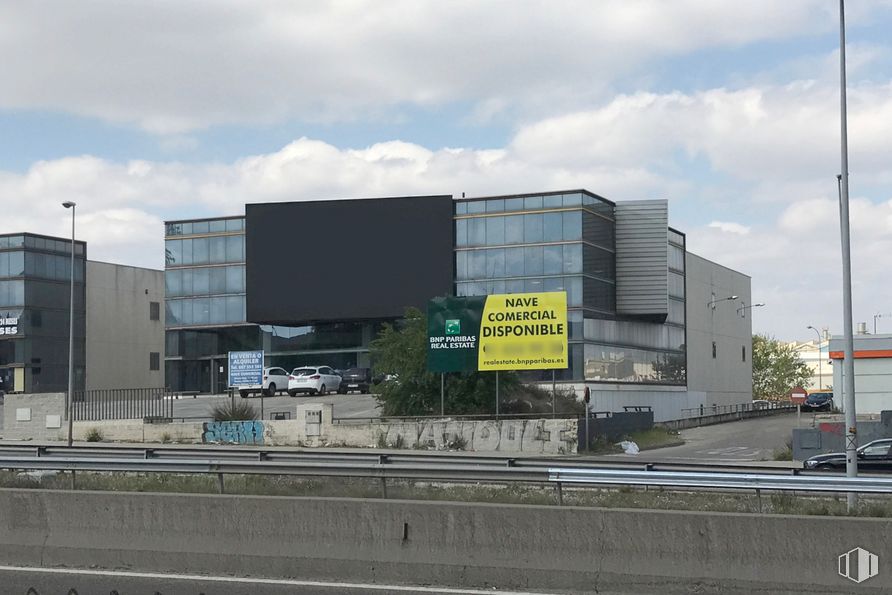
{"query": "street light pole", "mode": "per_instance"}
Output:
(820, 359)
(69, 405)
(712, 303)
(848, 366)
(745, 308)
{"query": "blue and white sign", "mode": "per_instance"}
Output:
(245, 368)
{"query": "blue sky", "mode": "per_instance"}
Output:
(143, 112)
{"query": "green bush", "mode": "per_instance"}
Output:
(234, 411)
(94, 435)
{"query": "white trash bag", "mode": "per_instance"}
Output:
(629, 447)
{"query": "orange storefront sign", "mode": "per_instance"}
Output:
(864, 354)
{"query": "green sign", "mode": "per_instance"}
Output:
(452, 327)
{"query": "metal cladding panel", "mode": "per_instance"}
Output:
(642, 258)
(349, 259)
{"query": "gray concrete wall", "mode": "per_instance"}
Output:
(533, 436)
(727, 379)
(39, 416)
(579, 550)
(120, 334)
(829, 435)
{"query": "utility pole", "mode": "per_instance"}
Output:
(848, 364)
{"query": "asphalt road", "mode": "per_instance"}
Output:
(38, 581)
(732, 442)
(353, 405)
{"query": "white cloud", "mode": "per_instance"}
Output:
(730, 227)
(774, 143)
(171, 69)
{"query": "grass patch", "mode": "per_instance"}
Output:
(656, 437)
(278, 485)
(785, 453)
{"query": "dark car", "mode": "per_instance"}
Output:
(822, 401)
(873, 456)
(358, 379)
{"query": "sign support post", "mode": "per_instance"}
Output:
(553, 394)
(497, 394)
(442, 393)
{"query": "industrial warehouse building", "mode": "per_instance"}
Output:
(313, 282)
(118, 319)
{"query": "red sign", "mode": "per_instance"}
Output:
(798, 395)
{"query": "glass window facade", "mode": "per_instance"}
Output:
(205, 307)
(35, 277)
(567, 242)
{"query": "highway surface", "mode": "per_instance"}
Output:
(42, 581)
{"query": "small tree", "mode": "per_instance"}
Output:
(400, 353)
(776, 368)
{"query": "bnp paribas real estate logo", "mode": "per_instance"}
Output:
(453, 327)
(858, 565)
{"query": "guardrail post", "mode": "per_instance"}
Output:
(383, 487)
(560, 494)
(759, 497)
(73, 479)
(220, 485)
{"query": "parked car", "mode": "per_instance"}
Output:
(359, 379)
(818, 401)
(274, 380)
(315, 380)
(761, 404)
(873, 456)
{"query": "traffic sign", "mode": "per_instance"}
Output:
(798, 395)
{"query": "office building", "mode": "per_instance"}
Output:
(312, 282)
(118, 319)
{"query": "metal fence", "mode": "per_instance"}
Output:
(122, 403)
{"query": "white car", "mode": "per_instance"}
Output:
(274, 380)
(314, 380)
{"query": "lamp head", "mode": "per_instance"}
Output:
(733, 297)
(68, 204)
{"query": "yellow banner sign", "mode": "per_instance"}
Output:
(524, 331)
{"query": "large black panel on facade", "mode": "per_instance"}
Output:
(346, 259)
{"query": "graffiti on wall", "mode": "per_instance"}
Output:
(233, 432)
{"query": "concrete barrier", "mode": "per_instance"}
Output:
(580, 550)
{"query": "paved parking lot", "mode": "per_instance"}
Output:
(345, 406)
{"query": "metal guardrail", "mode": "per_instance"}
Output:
(428, 467)
(705, 410)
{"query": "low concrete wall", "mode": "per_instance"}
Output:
(535, 436)
(708, 420)
(579, 550)
(38, 416)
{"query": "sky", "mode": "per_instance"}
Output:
(143, 112)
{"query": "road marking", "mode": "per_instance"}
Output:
(260, 581)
